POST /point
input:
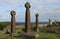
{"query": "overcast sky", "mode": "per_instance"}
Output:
(47, 9)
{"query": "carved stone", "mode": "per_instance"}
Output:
(37, 23)
(27, 18)
(13, 13)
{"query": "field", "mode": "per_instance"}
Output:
(42, 36)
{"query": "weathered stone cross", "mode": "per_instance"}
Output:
(27, 18)
(13, 13)
(37, 23)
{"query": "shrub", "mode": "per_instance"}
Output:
(7, 33)
(3, 25)
(50, 29)
(49, 25)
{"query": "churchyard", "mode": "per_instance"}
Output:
(30, 32)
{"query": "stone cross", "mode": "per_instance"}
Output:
(27, 18)
(37, 23)
(13, 13)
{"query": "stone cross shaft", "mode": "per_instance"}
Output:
(27, 18)
(13, 13)
(37, 23)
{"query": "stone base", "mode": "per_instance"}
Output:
(29, 35)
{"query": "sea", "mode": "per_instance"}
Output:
(22, 23)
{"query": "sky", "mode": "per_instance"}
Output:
(47, 9)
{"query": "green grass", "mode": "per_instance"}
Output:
(7, 36)
(42, 36)
(49, 36)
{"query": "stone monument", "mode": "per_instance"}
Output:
(13, 13)
(27, 18)
(37, 23)
(49, 22)
(28, 34)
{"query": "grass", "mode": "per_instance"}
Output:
(49, 36)
(7, 36)
(42, 36)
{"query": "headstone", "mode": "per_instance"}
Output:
(50, 22)
(27, 18)
(13, 13)
(37, 23)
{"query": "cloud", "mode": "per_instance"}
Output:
(52, 1)
(52, 13)
(4, 18)
(8, 1)
(42, 7)
(49, 1)
(37, 8)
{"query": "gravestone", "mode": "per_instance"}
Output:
(49, 22)
(37, 23)
(13, 13)
(27, 18)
